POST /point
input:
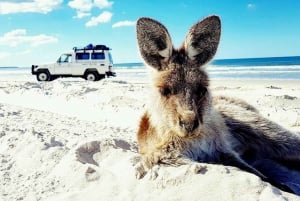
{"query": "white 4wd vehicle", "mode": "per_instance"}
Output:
(92, 63)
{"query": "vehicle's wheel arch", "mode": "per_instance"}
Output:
(91, 70)
(43, 70)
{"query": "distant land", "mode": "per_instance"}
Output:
(10, 67)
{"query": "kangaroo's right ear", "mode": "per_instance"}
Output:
(154, 42)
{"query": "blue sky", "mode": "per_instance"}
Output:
(38, 31)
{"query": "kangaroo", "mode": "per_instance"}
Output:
(184, 123)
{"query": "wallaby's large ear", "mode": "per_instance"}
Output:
(202, 41)
(154, 42)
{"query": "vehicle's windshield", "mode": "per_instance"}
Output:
(64, 58)
(110, 58)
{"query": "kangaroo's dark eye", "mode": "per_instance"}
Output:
(165, 91)
(201, 91)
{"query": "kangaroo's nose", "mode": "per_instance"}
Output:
(189, 126)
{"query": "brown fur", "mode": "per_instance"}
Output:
(184, 123)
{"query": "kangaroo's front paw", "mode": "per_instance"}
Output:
(152, 159)
(140, 170)
(153, 172)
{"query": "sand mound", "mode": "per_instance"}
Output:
(76, 140)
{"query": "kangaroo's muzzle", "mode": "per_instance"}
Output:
(188, 125)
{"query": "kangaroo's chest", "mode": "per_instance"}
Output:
(203, 150)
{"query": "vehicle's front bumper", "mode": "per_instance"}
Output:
(32, 70)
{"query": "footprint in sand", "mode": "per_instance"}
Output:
(85, 154)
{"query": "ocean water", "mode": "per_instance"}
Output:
(256, 68)
(249, 68)
(282, 68)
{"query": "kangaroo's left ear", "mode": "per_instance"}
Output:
(201, 42)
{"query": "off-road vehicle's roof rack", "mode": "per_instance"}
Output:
(91, 47)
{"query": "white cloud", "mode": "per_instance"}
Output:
(124, 23)
(19, 36)
(4, 55)
(81, 5)
(103, 3)
(35, 6)
(102, 18)
(84, 7)
(251, 6)
(81, 14)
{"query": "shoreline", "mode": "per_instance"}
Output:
(257, 82)
(230, 73)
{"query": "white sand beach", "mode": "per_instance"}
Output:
(73, 140)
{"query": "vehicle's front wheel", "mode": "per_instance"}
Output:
(91, 76)
(43, 76)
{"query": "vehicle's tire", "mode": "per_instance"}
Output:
(91, 76)
(43, 76)
(101, 76)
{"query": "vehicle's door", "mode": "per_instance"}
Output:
(63, 65)
(99, 61)
(82, 62)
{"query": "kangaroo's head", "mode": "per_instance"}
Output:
(181, 99)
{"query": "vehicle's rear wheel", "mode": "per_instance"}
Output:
(43, 76)
(91, 76)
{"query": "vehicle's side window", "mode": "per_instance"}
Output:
(98, 55)
(82, 56)
(69, 60)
